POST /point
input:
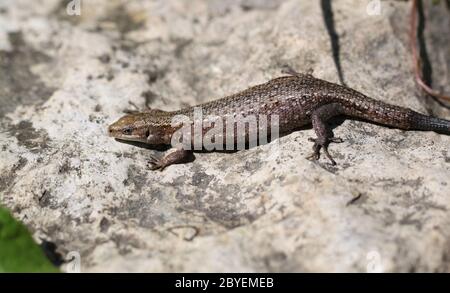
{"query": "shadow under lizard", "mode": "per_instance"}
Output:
(298, 99)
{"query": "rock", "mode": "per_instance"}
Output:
(64, 79)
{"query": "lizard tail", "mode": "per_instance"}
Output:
(398, 117)
(423, 122)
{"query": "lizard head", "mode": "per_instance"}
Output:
(140, 127)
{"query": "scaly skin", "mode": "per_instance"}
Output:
(298, 100)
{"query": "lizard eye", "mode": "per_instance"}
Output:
(127, 130)
(147, 133)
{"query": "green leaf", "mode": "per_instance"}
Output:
(18, 251)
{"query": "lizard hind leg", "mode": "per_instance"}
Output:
(324, 133)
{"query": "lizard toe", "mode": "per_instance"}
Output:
(336, 140)
(325, 150)
(323, 144)
(154, 163)
(313, 157)
(316, 151)
(153, 166)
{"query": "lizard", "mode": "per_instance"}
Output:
(299, 99)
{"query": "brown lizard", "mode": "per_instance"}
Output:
(296, 100)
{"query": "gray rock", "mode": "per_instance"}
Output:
(63, 79)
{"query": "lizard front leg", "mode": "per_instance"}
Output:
(172, 156)
(319, 119)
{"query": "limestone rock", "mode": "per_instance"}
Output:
(63, 79)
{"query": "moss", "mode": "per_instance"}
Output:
(18, 251)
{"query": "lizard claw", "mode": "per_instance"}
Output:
(286, 69)
(314, 156)
(155, 164)
(336, 140)
(325, 150)
(316, 150)
(320, 144)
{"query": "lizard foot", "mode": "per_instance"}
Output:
(172, 156)
(155, 164)
(320, 144)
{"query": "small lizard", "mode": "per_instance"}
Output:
(298, 99)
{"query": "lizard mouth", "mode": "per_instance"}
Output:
(129, 138)
(122, 140)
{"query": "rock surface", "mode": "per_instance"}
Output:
(63, 79)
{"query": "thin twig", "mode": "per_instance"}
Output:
(416, 58)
